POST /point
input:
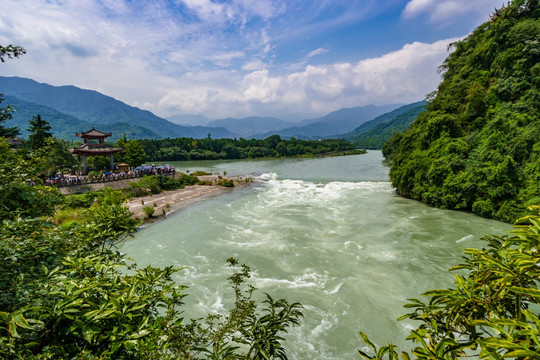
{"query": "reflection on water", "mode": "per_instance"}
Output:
(330, 233)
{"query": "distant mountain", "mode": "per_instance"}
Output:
(373, 134)
(65, 126)
(336, 122)
(250, 126)
(189, 119)
(98, 109)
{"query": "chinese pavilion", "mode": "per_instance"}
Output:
(94, 145)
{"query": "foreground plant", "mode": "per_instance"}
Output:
(66, 293)
(491, 313)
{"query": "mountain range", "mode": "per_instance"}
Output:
(69, 109)
(92, 108)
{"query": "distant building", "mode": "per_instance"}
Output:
(94, 145)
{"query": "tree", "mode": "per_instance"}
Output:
(10, 52)
(6, 114)
(39, 131)
(66, 293)
(133, 153)
(20, 191)
(54, 155)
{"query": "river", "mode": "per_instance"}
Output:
(329, 233)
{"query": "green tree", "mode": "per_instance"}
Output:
(39, 131)
(21, 192)
(6, 114)
(9, 52)
(475, 147)
(66, 293)
(133, 153)
(55, 156)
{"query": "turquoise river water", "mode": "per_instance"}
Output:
(329, 233)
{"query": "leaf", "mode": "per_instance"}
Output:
(21, 321)
(367, 341)
(521, 354)
(525, 291)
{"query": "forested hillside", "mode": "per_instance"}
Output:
(477, 147)
(373, 134)
(212, 149)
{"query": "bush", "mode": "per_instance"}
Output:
(168, 183)
(79, 200)
(225, 182)
(151, 183)
(149, 210)
(200, 173)
(187, 180)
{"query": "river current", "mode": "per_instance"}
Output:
(329, 233)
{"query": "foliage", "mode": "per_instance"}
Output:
(200, 173)
(493, 310)
(477, 147)
(20, 191)
(54, 156)
(225, 182)
(11, 52)
(156, 183)
(65, 293)
(380, 134)
(6, 114)
(39, 131)
(133, 153)
(149, 210)
(372, 134)
(208, 149)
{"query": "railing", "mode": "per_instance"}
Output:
(68, 181)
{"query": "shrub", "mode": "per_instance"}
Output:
(225, 182)
(149, 210)
(200, 173)
(151, 183)
(187, 180)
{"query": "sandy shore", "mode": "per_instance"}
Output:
(170, 201)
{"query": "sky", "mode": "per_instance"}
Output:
(286, 58)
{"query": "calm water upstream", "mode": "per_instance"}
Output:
(330, 233)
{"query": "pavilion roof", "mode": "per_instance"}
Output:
(93, 133)
(96, 151)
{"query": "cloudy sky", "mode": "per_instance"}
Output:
(239, 58)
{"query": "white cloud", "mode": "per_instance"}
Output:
(448, 10)
(316, 52)
(415, 7)
(147, 55)
(404, 75)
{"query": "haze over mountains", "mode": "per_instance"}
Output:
(69, 109)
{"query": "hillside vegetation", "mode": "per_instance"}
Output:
(477, 147)
(374, 133)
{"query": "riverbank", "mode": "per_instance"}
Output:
(153, 207)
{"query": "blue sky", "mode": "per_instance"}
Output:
(239, 58)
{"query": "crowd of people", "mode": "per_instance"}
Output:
(82, 178)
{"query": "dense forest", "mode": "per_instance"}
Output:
(477, 147)
(373, 134)
(211, 149)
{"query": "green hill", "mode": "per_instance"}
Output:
(373, 134)
(98, 109)
(65, 126)
(477, 147)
